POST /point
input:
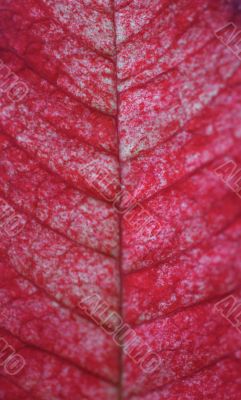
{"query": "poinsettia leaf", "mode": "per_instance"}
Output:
(119, 233)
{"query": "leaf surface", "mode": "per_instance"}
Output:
(145, 93)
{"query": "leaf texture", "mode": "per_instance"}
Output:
(147, 92)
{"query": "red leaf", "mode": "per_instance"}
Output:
(119, 233)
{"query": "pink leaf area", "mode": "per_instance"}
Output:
(120, 200)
